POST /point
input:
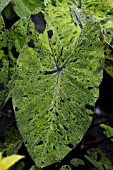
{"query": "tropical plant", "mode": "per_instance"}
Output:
(51, 66)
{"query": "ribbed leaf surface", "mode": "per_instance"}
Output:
(56, 84)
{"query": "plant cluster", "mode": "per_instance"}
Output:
(52, 57)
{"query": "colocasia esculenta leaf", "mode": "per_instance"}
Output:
(58, 73)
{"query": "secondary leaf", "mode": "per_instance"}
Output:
(11, 140)
(54, 91)
(98, 159)
(31, 5)
(3, 61)
(65, 167)
(108, 131)
(7, 162)
(20, 9)
(3, 4)
(75, 162)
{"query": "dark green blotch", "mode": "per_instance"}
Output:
(39, 22)
(89, 107)
(54, 147)
(5, 49)
(14, 52)
(98, 157)
(54, 3)
(56, 113)
(90, 88)
(70, 145)
(30, 119)
(69, 99)
(17, 109)
(60, 133)
(31, 44)
(111, 52)
(50, 34)
(65, 127)
(1, 86)
(75, 60)
(111, 43)
(61, 100)
(40, 143)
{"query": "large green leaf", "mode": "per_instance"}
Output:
(56, 85)
(3, 61)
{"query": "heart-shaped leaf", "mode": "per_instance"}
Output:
(56, 85)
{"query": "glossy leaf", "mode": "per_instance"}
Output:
(54, 91)
(3, 61)
(7, 162)
(98, 159)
